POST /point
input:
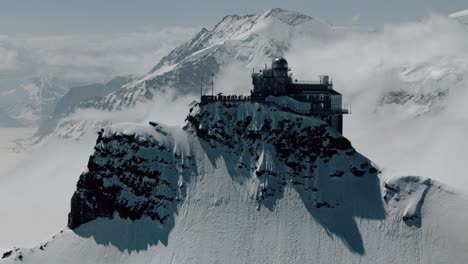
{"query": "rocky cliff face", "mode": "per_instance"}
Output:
(143, 175)
(132, 175)
(279, 148)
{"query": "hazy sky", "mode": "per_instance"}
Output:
(94, 16)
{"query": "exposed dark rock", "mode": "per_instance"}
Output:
(7, 254)
(138, 177)
(322, 204)
(337, 174)
(390, 187)
(357, 172)
(297, 146)
(365, 165)
(409, 218)
(99, 136)
(130, 185)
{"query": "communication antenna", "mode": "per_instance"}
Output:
(212, 84)
(201, 87)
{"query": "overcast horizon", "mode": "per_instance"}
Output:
(91, 17)
(89, 41)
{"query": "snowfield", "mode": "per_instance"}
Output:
(234, 186)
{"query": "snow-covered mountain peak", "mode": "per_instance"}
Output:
(275, 24)
(249, 40)
(147, 171)
(461, 16)
(249, 182)
(462, 13)
(289, 17)
(34, 100)
(38, 86)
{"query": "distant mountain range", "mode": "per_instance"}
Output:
(32, 102)
(250, 41)
(76, 97)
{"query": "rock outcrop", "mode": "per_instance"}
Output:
(142, 172)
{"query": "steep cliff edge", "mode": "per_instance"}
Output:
(248, 183)
(139, 172)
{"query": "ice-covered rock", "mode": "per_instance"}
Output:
(260, 141)
(246, 182)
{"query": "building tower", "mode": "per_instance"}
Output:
(324, 101)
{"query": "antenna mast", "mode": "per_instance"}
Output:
(201, 87)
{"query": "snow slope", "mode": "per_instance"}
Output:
(248, 183)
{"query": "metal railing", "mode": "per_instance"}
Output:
(225, 98)
(314, 109)
(321, 108)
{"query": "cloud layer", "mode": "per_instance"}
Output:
(86, 58)
(428, 60)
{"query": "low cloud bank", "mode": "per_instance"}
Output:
(423, 134)
(167, 107)
(85, 58)
(35, 192)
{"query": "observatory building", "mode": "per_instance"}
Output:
(269, 83)
(277, 81)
